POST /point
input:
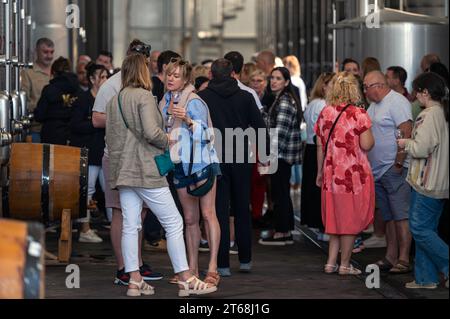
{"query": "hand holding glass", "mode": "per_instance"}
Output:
(399, 136)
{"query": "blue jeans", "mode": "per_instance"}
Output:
(36, 137)
(431, 250)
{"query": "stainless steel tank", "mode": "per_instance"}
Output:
(400, 39)
(49, 20)
(16, 121)
(5, 128)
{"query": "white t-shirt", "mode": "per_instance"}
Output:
(106, 93)
(386, 117)
(311, 116)
(298, 82)
(244, 87)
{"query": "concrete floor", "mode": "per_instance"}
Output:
(293, 272)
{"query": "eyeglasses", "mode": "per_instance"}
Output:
(368, 87)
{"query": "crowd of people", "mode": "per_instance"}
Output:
(373, 155)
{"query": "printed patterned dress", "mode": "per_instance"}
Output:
(348, 191)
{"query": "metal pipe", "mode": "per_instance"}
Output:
(7, 30)
(334, 37)
(17, 45)
(194, 33)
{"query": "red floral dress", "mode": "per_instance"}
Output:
(348, 191)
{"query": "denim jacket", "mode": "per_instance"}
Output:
(201, 133)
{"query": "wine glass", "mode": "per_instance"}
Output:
(399, 136)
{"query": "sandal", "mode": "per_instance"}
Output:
(349, 271)
(212, 278)
(142, 289)
(384, 265)
(331, 269)
(402, 267)
(199, 287)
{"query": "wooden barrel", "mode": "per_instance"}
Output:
(46, 179)
(22, 269)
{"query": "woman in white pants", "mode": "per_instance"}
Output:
(135, 136)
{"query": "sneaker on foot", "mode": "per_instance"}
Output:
(358, 246)
(90, 237)
(289, 240)
(415, 285)
(246, 268)
(273, 241)
(234, 250)
(122, 278)
(148, 274)
(224, 272)
(204, 248)
(375, 242)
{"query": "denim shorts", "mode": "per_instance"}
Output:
(393, 195)
(182, 181)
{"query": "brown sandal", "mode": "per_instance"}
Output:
(212, 278)
(401, 267)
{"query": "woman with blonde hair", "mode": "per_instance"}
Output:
(344, 138)
(247, 71)
(197, 163)
(135, 137)
(293, 65)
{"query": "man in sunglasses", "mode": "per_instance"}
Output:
(108, 91)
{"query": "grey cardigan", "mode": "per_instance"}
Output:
(132, 151)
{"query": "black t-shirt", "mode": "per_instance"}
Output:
(158, 88)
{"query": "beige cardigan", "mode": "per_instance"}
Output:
(428, 172)
(132, 151)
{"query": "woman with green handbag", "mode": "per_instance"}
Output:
(135, 136)
(197, 165)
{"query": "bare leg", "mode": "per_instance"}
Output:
(379, 225)
(404, 239)
(333, 250)
(212, 223)
(192, 219)
(392, 243)
(116, 237)
(347, 243)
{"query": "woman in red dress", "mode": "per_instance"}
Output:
(344, 172)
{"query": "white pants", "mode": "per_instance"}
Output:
(95, 173)
(161, 203)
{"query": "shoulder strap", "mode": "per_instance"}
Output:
(121, 111)
(332, 130)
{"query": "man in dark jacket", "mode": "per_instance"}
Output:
(235, 109)
(54, 108)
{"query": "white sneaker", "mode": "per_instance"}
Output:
(375, 242)
(90, 237)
